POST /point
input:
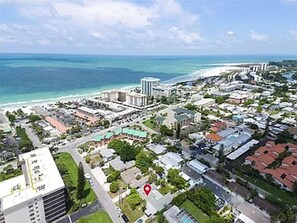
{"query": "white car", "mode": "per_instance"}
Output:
(91, 182)
(87, 176)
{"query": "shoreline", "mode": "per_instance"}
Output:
(204, 73)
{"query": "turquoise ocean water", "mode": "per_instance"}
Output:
(37, 77)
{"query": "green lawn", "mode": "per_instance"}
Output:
(164, 190)
(67, 159)
(276, 192)
(133, 215)
(197, 213)
(98, 217)
(151, 123)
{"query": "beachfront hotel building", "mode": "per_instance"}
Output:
(136, 99)
(36, 196)
(114, 95)
(147, 85)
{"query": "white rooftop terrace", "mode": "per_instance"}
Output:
(41, 178)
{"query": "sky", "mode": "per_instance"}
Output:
(149, 27)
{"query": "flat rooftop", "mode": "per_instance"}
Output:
(40, 177)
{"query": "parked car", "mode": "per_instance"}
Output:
(87, 176)
(91, 182)
(125, 218)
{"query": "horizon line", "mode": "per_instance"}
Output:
(182, 55)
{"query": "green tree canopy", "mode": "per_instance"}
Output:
(166, 131)
(114, 187)
(175, 179)
(144, 160)
(34, 118)
(134, 198)
(204, 199)
(81, 181)
(126, 151)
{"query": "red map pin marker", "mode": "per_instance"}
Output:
(147, 189)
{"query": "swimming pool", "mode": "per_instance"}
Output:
(185, 217)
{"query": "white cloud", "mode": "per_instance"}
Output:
(230, 33)
(109, 13)
(185, 36)
(294, 33)
(120, 23)
(258, 37)
(289, 1)
(98, 35)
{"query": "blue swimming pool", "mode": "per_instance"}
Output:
(185, 217)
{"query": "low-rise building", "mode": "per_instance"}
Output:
(198, 166)
(237, 98)
(163, 90)
(218, 126)
(286, 174)
(205, 102)
(156, 148)
(170, 160)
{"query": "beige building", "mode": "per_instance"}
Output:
(136, 99)
(181, 116)
(205, 102)
(36, 196)
(114, 95)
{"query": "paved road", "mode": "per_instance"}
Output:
(34, 138)
(102, 195)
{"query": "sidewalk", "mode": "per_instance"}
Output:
(99, 175)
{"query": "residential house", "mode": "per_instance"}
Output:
(170, 160)
(286, 174)
(218, 126)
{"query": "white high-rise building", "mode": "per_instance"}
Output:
(147, 85)
(36, 196)
(136, 99)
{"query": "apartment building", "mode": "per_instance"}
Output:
(147, 85)
(36, 196)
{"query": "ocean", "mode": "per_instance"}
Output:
(41, 77)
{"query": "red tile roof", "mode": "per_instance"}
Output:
(214, 137)
(265, 155)
(219, 125)
(57, 124)
(90, 119)
(215, 129)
